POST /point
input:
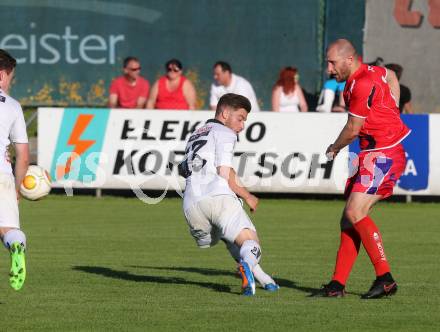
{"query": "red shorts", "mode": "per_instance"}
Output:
(376, 172)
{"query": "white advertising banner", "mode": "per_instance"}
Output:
(140, 149)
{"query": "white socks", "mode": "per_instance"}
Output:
(250, 252)
(14, 235)
(262, 277)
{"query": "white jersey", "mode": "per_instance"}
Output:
(208, 147)
(239, 86)
(12, 128)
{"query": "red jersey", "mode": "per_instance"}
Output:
(368, 96)
(171, 100)
(128, 94)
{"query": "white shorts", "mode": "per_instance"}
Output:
(8, 202)
(215, 218)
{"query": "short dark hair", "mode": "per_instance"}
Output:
(234, 101)
(378, 62)
(128, 59)
(174, 62)
(224, 65)
(7, 61)
(398, 69)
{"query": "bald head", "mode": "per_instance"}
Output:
(342, 59)
(343, 47)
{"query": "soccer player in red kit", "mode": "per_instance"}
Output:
(371, 94)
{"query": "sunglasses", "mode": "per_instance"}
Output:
(134, 69)
(176, 70)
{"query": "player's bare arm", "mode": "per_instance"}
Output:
(237, 187)
(348, 134)
(393, 82)
(21, 164)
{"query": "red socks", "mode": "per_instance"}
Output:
(364, 230)
(372, 241)
(347, 254)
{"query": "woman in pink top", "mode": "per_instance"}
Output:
(172, 91)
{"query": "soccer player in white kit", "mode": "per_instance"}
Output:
(12, 129)
(210, 203)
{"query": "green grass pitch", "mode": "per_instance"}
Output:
(116, 264)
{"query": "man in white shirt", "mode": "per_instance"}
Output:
(227, 82)
(210, 203)
(12, 130)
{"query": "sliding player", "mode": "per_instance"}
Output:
(210, 203)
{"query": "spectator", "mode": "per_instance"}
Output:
(227, 82)
(287, 95)
(129, 90)
(172, 91)
(331, 98)
(378, 62)
(405, 93)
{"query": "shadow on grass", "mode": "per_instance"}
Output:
(124, 275)
(312, 292)
(199, 270)
(284, 283)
